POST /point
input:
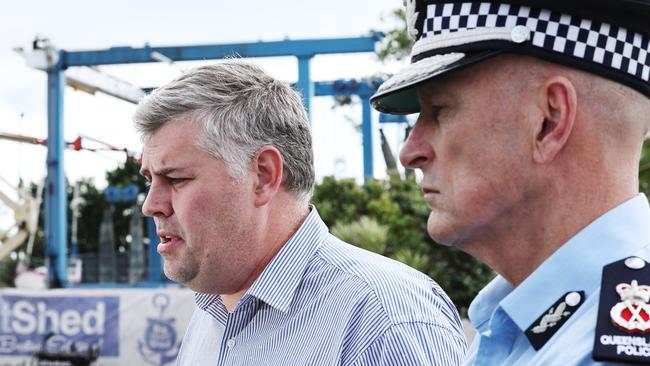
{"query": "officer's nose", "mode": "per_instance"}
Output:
(417, 149)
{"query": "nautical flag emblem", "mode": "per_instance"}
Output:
(159, 347)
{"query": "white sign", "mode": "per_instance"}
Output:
(127, 326)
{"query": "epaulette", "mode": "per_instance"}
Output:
(623, 326)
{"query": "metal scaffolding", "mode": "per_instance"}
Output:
(55, 62)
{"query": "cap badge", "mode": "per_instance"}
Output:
(520, 34)
(632, 314)
(411, 18)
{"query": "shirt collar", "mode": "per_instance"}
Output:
(487, 301)
(279, 281)
(575, 266)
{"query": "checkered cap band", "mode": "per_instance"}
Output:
(598, 42)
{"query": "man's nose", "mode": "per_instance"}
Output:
(157, 203)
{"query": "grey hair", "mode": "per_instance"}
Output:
(240, 108)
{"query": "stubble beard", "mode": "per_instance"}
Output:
(183, 271)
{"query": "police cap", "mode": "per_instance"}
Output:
(610, 38)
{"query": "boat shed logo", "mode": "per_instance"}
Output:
(90, 321)
(159, 346)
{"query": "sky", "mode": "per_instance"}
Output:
(93, 25)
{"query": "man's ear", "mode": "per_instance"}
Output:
(559, 104)
(267, 167)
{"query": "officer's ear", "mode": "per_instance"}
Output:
(267, 170)
(558, 103)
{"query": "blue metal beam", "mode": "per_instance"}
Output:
(154, 265)
(55, 188)
(304, 85)
(363, 88)
(392, 118)
(298, 48)
(366, 126)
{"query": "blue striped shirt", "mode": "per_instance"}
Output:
(321, 301)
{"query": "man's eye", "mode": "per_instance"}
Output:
(176, 181)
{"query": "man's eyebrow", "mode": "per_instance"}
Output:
(165, 171)
(162, 172)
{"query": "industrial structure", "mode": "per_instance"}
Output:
(76, 68)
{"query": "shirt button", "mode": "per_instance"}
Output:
(231, 343)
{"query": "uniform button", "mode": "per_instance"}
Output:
(572, 298)
(634, 263)
(231, 343)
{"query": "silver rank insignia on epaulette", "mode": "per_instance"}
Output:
(548, 323)
(623, 328)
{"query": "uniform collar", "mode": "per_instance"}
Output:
(575, 266)
(279, 281)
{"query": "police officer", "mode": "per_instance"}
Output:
(532, 116)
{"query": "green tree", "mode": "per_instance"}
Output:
(397, 43)
(389, 217)
(366, 233)
(91, 215)
(644, 169)
(94, 203)
(123, 176)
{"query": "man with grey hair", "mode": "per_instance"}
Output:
(532, 117)
(227, 150)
